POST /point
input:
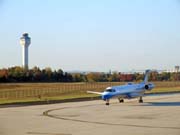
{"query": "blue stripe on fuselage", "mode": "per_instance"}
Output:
(124, 90)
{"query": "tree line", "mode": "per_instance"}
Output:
(19, 74)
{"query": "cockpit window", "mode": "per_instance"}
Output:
(110, 90)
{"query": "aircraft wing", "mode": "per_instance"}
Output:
(94, 92)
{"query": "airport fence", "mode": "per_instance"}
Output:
(33, 90)
(40, 90)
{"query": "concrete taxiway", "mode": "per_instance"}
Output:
(157, 115)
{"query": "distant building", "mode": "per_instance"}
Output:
(176, 68)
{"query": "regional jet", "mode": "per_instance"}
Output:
(128, 91)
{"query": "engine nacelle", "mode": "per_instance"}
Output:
(149, 86)
(146, 87)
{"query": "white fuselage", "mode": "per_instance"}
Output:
(126, 91)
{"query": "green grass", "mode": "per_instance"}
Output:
(165, 89)
(36, 92)
(69, 97)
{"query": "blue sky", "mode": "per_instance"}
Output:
(95, 35)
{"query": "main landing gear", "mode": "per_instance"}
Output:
(121, 100)
(140, 99)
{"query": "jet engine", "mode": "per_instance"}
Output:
(146, 86)
(149, 86)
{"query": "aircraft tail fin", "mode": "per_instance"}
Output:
(146, 76)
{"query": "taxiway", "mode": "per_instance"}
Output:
(158, 114)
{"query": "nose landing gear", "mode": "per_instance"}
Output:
(107, 101)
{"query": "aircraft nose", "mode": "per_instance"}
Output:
(105, 96)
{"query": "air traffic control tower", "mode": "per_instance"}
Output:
(25, 41)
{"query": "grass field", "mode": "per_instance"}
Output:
(26, 92)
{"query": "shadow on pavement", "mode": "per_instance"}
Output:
(162, 104)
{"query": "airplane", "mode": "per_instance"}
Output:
(128, 91)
